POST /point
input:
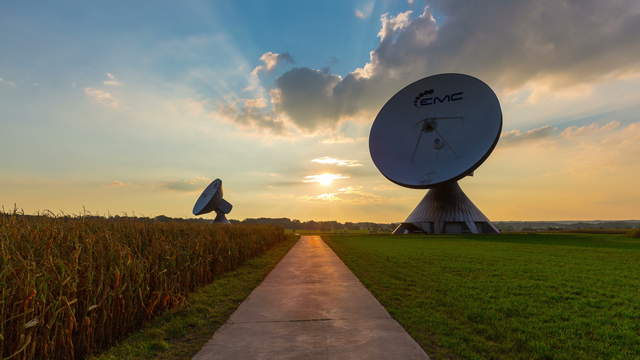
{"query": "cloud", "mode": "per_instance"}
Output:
(251, 116)
(187, 185)
(588, 172)
(257, 103)
(323, 197)
(306, 97)
(349, 194)
(270, 60)
(393, 24)
(117, 183)
(326, 160)
(102, 97)
(514, 137)
(606, 149)
(517, 137)
(7, 82)
(576, 131)
(365, 11)
(263, 174)
(556, 43)
(343, 140)
(112, 80)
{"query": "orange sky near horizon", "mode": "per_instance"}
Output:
(108, 110)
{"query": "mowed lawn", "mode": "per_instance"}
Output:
(509, 296)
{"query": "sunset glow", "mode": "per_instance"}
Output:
(98, 114)
(325, 179)
(333, 161)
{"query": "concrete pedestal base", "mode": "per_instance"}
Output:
(446, 210)
(221, 219)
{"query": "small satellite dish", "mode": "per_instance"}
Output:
(211, 200)
(430, 134)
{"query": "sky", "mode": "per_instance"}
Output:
(134, 107)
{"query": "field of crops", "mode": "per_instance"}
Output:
(509, 296)
(73, 286)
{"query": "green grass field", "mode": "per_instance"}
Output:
(510, 296)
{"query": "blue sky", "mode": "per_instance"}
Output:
(133, 107)
(79, 39)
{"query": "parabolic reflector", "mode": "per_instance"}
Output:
(211, 200)
(430, 134)
(435, 130)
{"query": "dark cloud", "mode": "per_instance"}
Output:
(252, 116)
(306, 96)
(506, 43)
(286, 57)
(509, 43)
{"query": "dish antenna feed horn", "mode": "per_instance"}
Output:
(211, 200)
(429, 135)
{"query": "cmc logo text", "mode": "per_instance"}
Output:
(426, 98)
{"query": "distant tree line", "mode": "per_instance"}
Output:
(286, 223)
(319, 225)
(294, 224)
(620, 225)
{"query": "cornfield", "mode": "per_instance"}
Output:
(74, 286)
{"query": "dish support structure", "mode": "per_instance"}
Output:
(445, 209)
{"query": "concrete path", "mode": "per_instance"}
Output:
(311, 306)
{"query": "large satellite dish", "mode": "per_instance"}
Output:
(211, 200)
(430, 134)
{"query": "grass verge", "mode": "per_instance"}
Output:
(180, 333)
(519, 296)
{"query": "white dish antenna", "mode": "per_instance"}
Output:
(211, 200)
(430, 134)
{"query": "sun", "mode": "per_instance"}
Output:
(324, 179)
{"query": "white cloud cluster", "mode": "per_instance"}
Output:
(365, 11)
(327, 160)
(7, 82)
(270, 60)
(393, 24)
(102, 97)
(112, 80)
(509, 45)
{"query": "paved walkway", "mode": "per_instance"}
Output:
(311, 306)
